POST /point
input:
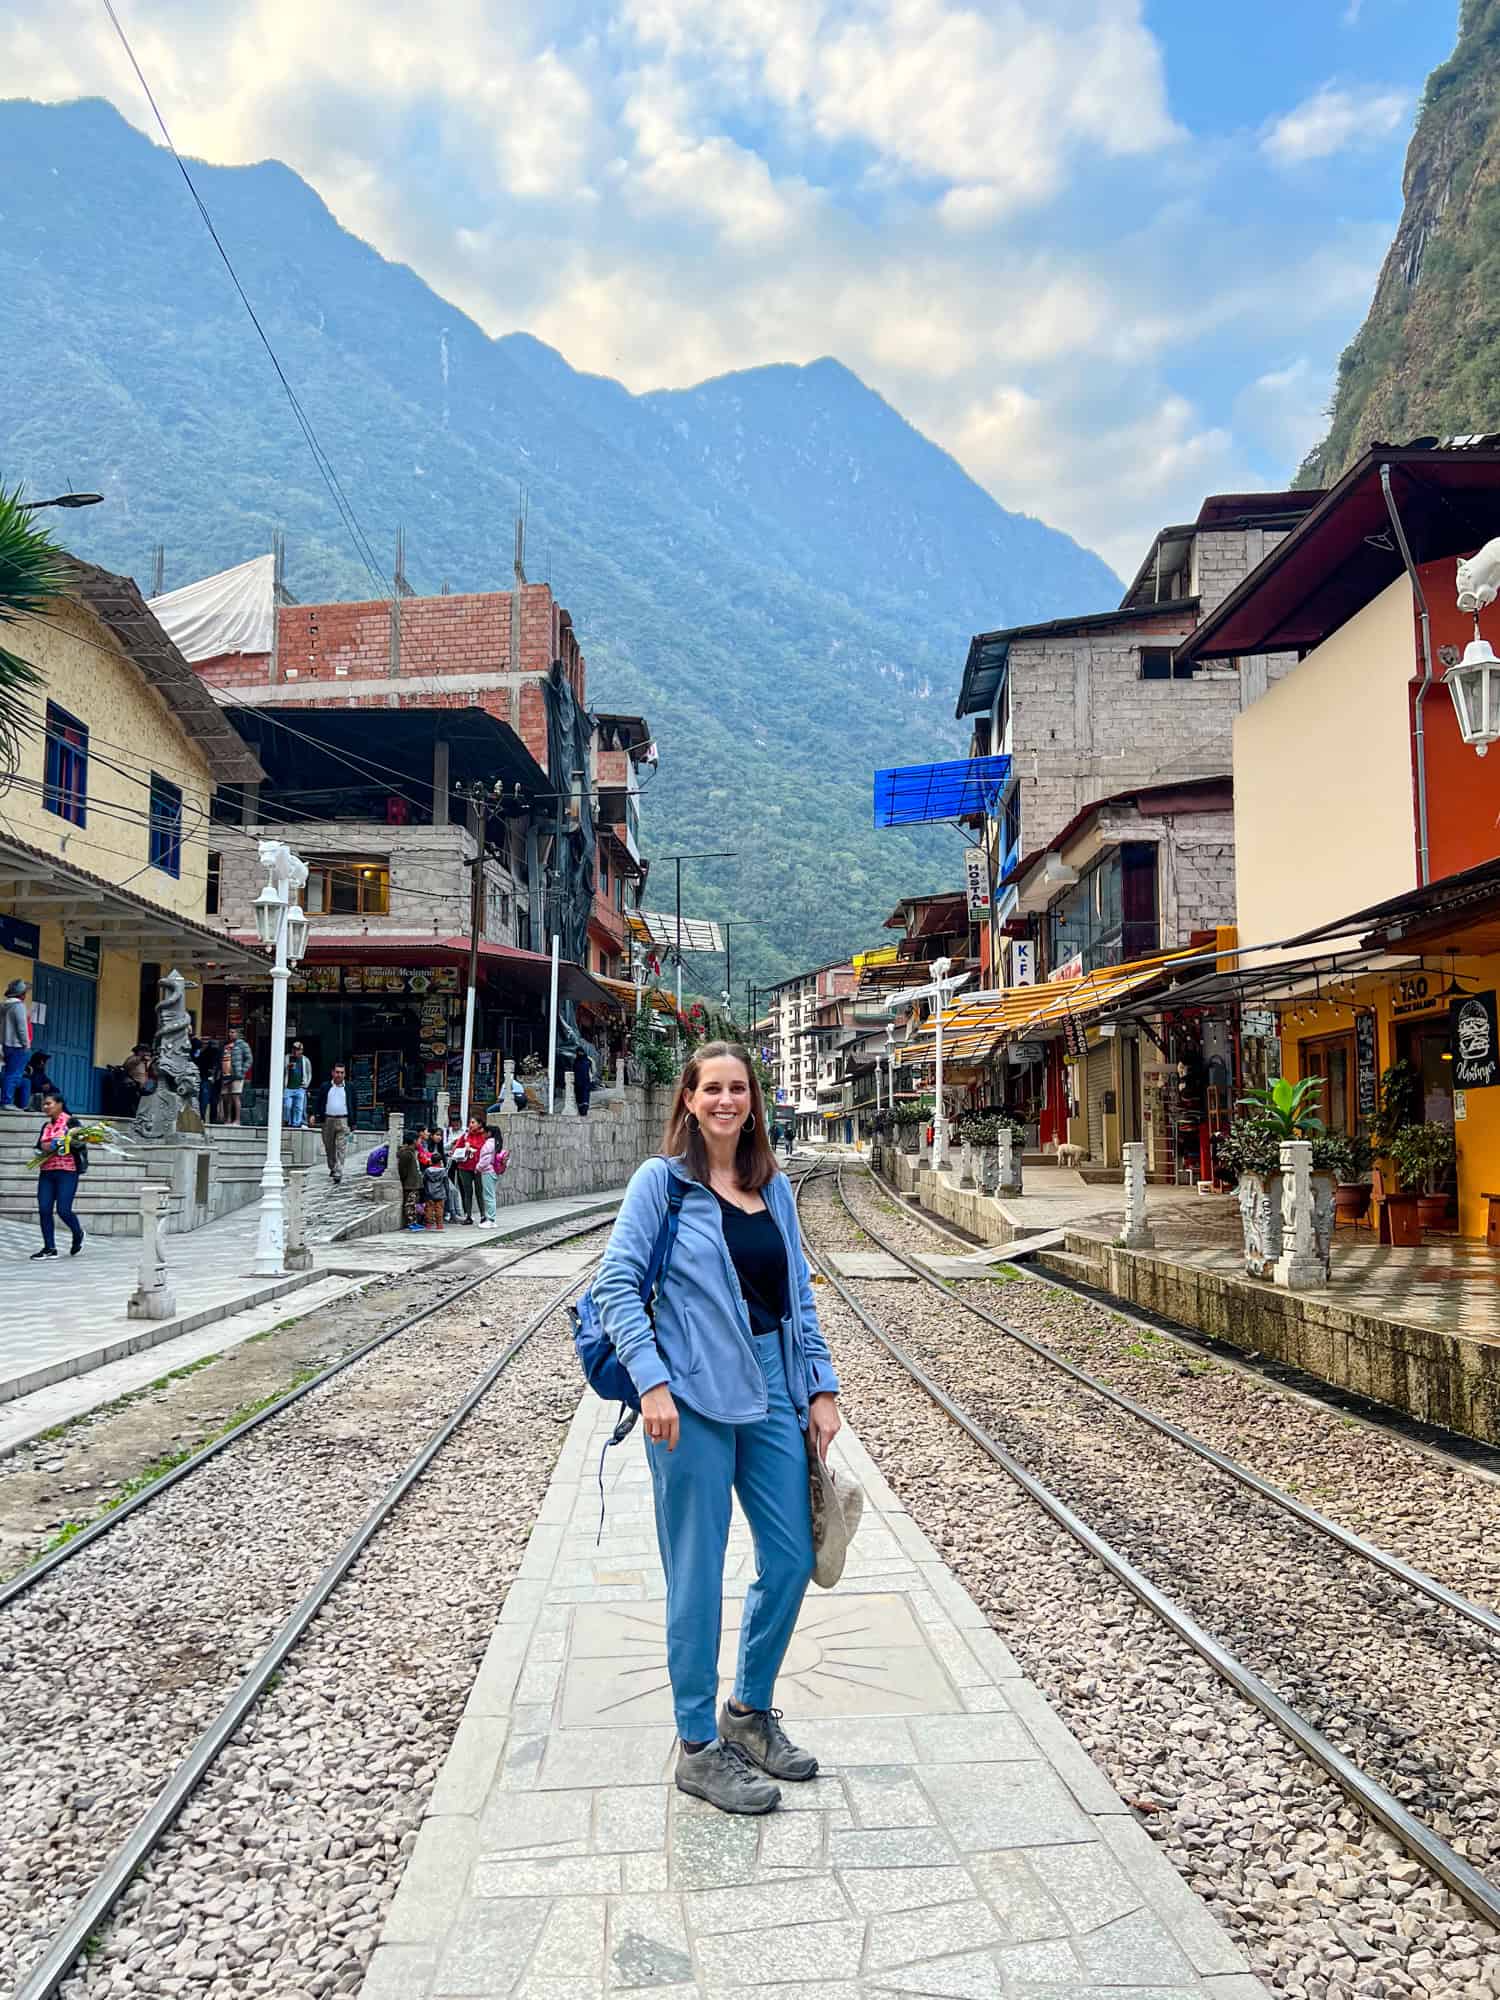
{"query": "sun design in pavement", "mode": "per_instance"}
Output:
(849, 1655)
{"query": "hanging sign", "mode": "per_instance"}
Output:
(16, 935)
(979, 882)
(81, 955)
(1476, 1043)
(1071, 968)
(1023, 963)
(1418, 993)
(1075, 1037)
(1365, 1065)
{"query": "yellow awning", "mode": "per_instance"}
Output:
(976, 1024)
(655, 997)
(883, 954)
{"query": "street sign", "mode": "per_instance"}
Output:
(1023, 963)
(977, 869)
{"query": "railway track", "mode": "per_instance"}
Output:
(321, 1473)
(1135, 1526)
(28, 1577)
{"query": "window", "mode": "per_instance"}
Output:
(215, 883)
(1109, 917)
(1157, 664)
(620, 894)
(165, 844)
(347, 889)
(1011, 847)
(66, 785)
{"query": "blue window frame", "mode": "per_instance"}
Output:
(166, 826)
(65, 786)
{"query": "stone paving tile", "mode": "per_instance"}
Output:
(957, 1842)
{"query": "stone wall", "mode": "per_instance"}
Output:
(1442, 1378)
(560, 1155)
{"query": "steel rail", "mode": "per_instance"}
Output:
(1403, 1572)
(1424, 1846)
(45, 1565)
(47, 1977)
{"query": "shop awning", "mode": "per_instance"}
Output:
(915, 794)
(529, 971)
(37, 887)
(867, 961)
(980, 1022)
(656, 927)
(624, 991)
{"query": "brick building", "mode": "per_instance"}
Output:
(400, 738)
(1090, 706)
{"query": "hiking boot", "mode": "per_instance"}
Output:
(760, 1735)
(721, 1773)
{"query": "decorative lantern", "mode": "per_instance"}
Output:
(1474, 684)
(296, 933)
(268, 908)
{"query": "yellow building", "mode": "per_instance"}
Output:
(105, 828)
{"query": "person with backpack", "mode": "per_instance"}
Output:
(63, 1162)
(731, 1369)
(493, 1160)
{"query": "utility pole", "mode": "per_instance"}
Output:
(677, 861)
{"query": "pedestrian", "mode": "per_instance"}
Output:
(38, 1083)
(335, 1115)
(435, 1189)
(786, 1140)
(736, 1389)
(298, 1080)
(15, 1040)
(583, 1081)
(57, 1178)
(210, 1077)
(466, 1154)
(409, 1171)
(493, 1160)
(239, 1062)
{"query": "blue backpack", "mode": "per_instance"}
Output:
(604, 1371)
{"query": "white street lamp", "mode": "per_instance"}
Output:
(282, 929)
(1474, 684)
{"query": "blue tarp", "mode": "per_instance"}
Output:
(912, 794)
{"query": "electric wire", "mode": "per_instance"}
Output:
(320, 457)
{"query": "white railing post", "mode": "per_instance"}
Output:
(507, 1088)
(298, 1256)
(1136, 1234)
(153, 1297)
(570, 1094)
(1299, 1266)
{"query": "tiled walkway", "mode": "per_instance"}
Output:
(958, 1841)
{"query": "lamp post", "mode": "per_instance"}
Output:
(1474, 685)
(282, 928)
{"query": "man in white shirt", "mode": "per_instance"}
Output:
(336, 1123)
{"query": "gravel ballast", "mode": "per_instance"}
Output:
(1322, 1901)
(110, 1668)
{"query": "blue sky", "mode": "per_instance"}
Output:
(1104, 251)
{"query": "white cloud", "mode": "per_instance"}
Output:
(1335, 120)
(1284, 410)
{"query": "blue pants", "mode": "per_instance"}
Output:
(13, 1082)
(56, 1190)
(766, 1464)
(294, 1107)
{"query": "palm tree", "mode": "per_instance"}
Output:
(33, 572)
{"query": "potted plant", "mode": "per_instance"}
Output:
(1423, 1156)
(1349, 1162)
(912, 1119)
(1250, 1153)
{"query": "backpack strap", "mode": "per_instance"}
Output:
(661, 1254)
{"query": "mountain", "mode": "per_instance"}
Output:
(774, 567)
(1427, 359)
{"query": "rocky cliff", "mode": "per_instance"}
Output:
(1427, 359)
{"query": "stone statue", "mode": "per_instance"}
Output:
(176, 1073)
(1478, 578)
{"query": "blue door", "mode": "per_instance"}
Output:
(67, 1034)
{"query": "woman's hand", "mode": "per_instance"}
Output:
(823, 1421)
(661, 1419)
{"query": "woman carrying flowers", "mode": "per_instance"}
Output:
(61, 1157)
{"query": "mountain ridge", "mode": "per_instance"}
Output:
(773, 565)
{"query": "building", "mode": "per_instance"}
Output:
(1366, 829)
(1127, 881)
(402, 738)
(104, 857)
(1086, 707)
(794, 1041)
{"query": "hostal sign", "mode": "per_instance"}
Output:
(1476, 1044)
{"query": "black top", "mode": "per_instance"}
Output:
(759, 1258)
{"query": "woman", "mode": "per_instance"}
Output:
(464, 1160)
(489, 1170)
(730, 1375)
(57, 1178)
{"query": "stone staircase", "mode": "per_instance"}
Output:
(108, 1199)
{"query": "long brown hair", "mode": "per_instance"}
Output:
(754, 1161)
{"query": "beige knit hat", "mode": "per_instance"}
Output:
(837, 1506)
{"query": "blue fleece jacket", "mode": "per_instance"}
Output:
(702, 1347)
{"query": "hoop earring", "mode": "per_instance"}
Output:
(692, 1119)
(749, 1124)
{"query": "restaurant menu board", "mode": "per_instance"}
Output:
(388, 1075)
(1476, 1043)
(433, 1028)
(362, 1079)
(1365, 1065)
(413, 980)
(484, 1075)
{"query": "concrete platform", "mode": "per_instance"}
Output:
(957, 1842)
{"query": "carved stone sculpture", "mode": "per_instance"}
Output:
(176, 1072)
